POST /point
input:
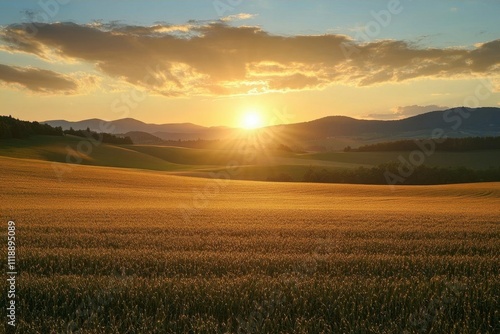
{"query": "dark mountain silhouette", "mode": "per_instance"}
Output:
(455, 122)
(170, 131)
(126, 125)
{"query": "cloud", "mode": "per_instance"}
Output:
(406, 111)
(240, 16)
(38, 80)
(413, 110)
(215, 58)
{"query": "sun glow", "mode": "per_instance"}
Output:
(252, 119)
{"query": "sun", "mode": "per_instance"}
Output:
(252, 119)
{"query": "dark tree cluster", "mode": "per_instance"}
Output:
(13, 128)
(102, 137)
(449, 144)
(420, 175)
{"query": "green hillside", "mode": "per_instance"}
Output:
(252, 164)
(187, 156)
(474, 159)
(62, 149)
(212, 157)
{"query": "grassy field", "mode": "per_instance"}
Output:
(220, 157)
(64, 149)
(474, 159)
(256, 165)
(109, 250)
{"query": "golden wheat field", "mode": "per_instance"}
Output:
(108, 250)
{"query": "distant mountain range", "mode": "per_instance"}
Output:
(170, 131)
(456, 122)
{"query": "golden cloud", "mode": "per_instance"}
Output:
(219, 59)
(39, 80)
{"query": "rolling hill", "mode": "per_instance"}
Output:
(140, 137)
(125, 125)
(170, 131)
(458, 122)
(267, 161)
(251, 165)
(65, 149)
(455, 122)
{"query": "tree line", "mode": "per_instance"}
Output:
(11, 127)
(14, 128)
(389, 173)
(103, 137)
(450, 144)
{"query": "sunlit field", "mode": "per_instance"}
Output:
(250, 167)
(109, 250)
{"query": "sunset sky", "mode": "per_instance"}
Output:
(212, 62)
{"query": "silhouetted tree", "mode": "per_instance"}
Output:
(450, 144)
(421, 175)
(14, 128)
(102, 137)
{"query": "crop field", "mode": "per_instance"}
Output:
(110, 250)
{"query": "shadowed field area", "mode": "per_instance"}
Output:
(116, 250)
(255, 164)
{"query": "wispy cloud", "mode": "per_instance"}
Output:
(237, 17)
(405, 111)
(215, 58)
